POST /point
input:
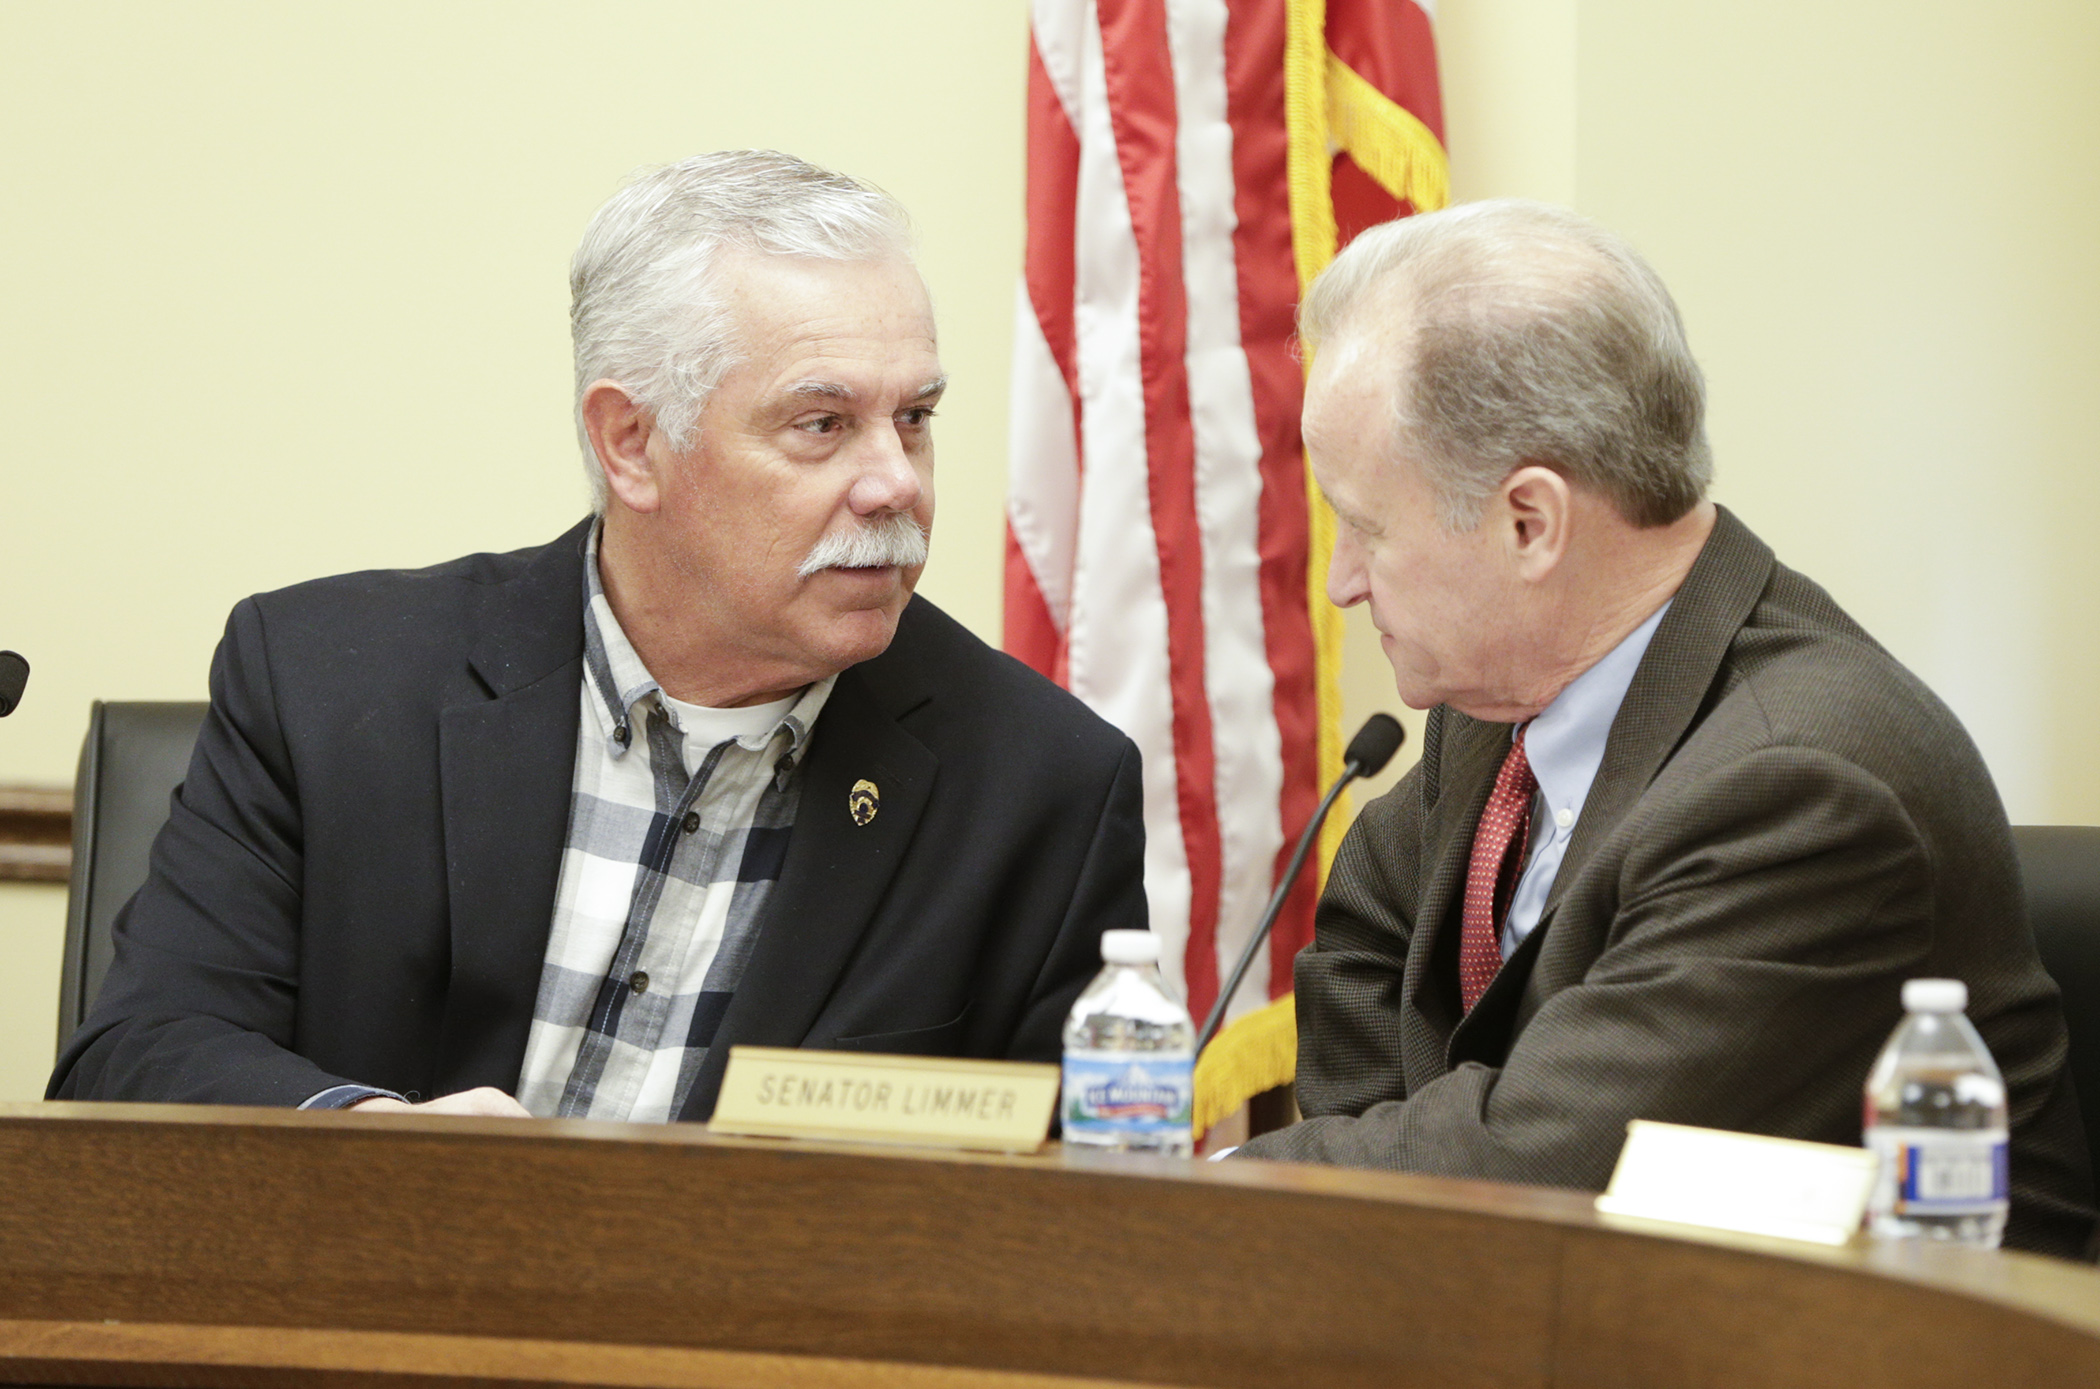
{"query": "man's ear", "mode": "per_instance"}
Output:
(620, 431)
(1537, 510)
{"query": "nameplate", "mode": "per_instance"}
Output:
(1815, 1192)
(938, 1102)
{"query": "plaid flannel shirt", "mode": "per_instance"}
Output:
(672, 852)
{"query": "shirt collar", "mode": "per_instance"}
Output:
(1565, 743)
(616, 675)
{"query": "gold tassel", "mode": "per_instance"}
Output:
(1255, 1052)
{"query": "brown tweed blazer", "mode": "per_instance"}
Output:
(1786, 826)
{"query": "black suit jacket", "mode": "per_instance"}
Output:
(357, 878)
(1786, 826)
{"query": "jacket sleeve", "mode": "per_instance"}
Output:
(1760, 914)
(201, 998)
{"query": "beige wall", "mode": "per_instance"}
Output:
(284, 296)
(1882, 221)
(286, 284)
(1879, 217)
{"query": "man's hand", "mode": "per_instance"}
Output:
(486, 1099)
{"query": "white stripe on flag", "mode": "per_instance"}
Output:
(1118, 630)
(1042, 499)
(1058, 26)
(1241, 687)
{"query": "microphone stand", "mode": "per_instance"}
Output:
(1369, 751)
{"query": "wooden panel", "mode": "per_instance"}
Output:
(1688, 1314)
(36, 833)
(664, 1237)
(242, 1357)
(610, 1241)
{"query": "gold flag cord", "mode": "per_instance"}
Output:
(1328, 107)
(1387, 141)
(1245, 1059)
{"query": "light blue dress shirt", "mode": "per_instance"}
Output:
(1565, 746)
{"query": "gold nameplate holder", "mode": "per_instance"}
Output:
(935, 1102)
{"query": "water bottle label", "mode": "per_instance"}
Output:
(1129, 1092)
(1943, 1171)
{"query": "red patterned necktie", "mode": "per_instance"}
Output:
(1491, 877)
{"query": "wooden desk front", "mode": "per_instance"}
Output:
(166, 1245)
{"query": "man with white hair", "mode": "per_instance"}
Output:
(1680, 829)
(549, 832)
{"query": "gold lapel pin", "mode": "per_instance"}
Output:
(863, 801)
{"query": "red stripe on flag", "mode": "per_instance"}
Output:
(1141, 105)
(1360, 201)
(1053, 212)
(1391, 45)
(1053, 200)
(1031, 634)
(1268, 307)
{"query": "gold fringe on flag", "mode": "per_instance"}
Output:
(1387, 141)
(1328, 107)
(1255, 1052)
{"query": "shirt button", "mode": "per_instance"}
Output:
(1564, 817)
(621, 735)
(692, 821)
(640, 982)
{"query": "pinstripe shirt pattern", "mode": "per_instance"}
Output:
(673, 848)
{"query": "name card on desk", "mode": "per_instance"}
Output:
(1740, 1181)
(784, 1092)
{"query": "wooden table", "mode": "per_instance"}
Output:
(168, 1245)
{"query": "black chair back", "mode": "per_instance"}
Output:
(2060, 868)
(134, 757)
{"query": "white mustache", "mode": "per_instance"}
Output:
(897, 539)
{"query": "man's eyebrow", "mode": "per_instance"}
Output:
(821, 390)
(839, 391)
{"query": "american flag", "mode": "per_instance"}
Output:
(1191, 164)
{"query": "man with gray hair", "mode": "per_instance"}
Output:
(1680, 829)
(547, 833)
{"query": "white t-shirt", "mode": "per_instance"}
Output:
(704, 726)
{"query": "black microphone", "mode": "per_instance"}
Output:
(1367, 753)
(14, 674)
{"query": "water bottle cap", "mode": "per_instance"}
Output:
(1130, 947)
(1935, 996)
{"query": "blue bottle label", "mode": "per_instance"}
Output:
(1123, 1092)
(1944, 1171)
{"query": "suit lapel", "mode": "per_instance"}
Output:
(506, 766)
(1670, 686)
(837, 869)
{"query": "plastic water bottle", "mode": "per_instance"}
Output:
(1936, 1119)
(1130, 1056)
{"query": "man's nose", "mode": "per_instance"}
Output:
(1345, 572)
(888, 479)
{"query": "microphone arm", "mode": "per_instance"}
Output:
(1368, 752)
